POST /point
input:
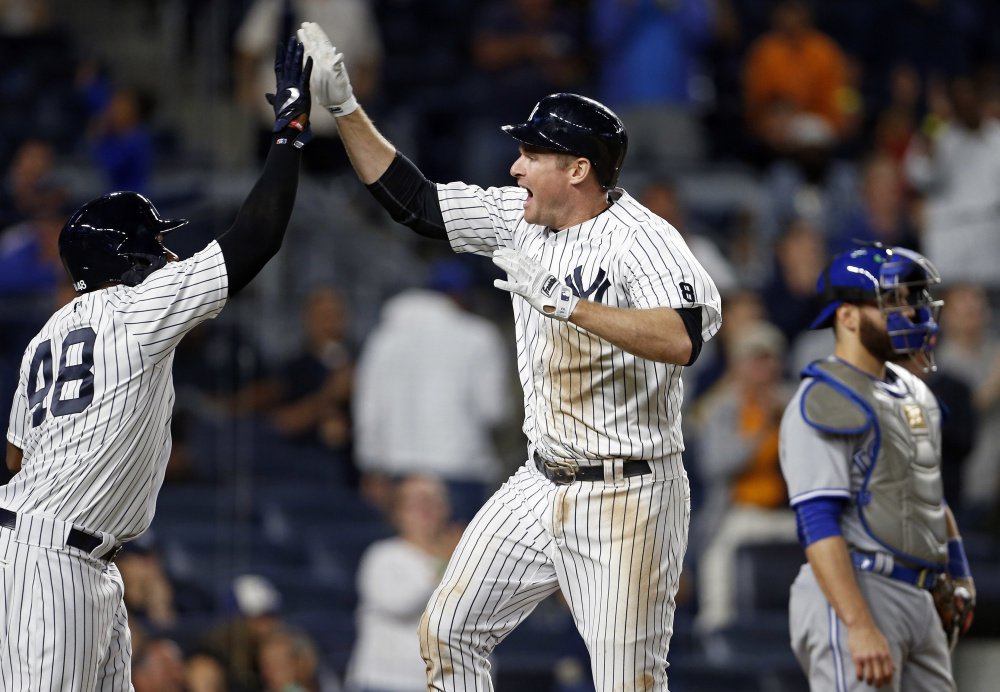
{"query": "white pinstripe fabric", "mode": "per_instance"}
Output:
(615, 551)
(66, 626)
(92, 415)
(585, 398)
(102, 467)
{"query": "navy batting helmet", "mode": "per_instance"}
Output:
(116, 238)
(895, 279)
(577, 125)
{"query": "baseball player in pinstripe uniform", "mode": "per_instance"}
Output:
(608, 305)
(88, 439)
(861, 452)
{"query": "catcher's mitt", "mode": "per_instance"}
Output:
(955, 605)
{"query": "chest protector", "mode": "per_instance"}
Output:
(899, 500)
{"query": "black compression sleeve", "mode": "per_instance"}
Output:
(692, 323)
(410, 198)
(256, 235)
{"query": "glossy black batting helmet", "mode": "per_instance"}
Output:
(577, 125)
(117, 239)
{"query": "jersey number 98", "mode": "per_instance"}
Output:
(82, 372)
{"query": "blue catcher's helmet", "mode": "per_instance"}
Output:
(117, 239)
(895, 279)
(577, 125)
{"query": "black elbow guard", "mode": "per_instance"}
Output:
(410, 198)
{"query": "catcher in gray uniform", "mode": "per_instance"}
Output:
(861, 453)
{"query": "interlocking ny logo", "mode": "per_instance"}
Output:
(598, 288)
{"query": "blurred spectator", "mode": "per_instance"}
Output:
(521, 50)
(795, 69)
(154, 599)
(897, 121)
(660, 196)
(158, 667)
(386, 656)
(27, 183)
(315, 399)
(29, 252)
(149, 595)
(810, 183)
(790, 294)
(738, 460)
(970, 349)
(256, 606)
(220, 370)
(742, 307)
(204, 672)
(24, 16)
(289, 662)
(432, 389)
(352, 29)
(121, 143)
(931, 39)
(884, 215)
(648, 67)
(956, 167)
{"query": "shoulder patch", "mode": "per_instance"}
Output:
(827, 408)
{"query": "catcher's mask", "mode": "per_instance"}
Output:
(899, 282)
(117, 239)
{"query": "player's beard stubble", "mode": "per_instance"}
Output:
(875, 338)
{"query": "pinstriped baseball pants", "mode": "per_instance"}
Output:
(65, 625)
(615, 550)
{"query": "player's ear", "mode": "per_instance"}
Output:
(849, 316)
(577, 169)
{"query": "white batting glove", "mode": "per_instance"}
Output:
(535, 283)
(330, 83)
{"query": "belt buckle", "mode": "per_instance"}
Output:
(560, 471)
(113, 553)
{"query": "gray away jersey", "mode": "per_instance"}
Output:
(817, 464)
(584, 397)
(94, 401)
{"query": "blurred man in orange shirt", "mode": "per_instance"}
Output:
(794, 69)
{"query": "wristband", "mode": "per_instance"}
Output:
(345, 108)
(958, 563)
(565, 303)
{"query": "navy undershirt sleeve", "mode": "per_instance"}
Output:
(410, 198)
(692, 324)
(257, 233)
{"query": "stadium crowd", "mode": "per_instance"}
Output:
(771, 134)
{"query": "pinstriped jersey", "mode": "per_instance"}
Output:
(95, 397)
(584, 397)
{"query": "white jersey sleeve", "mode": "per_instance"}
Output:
(659, 272)
(16, 429)
(814, 464)
(174, 299)
(480, 220)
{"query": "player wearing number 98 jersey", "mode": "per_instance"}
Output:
(89, 432)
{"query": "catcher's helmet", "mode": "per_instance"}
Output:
(114, 239)
(898, 281)
(577, 125)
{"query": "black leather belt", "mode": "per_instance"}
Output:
(566, 472)
(77, 538)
